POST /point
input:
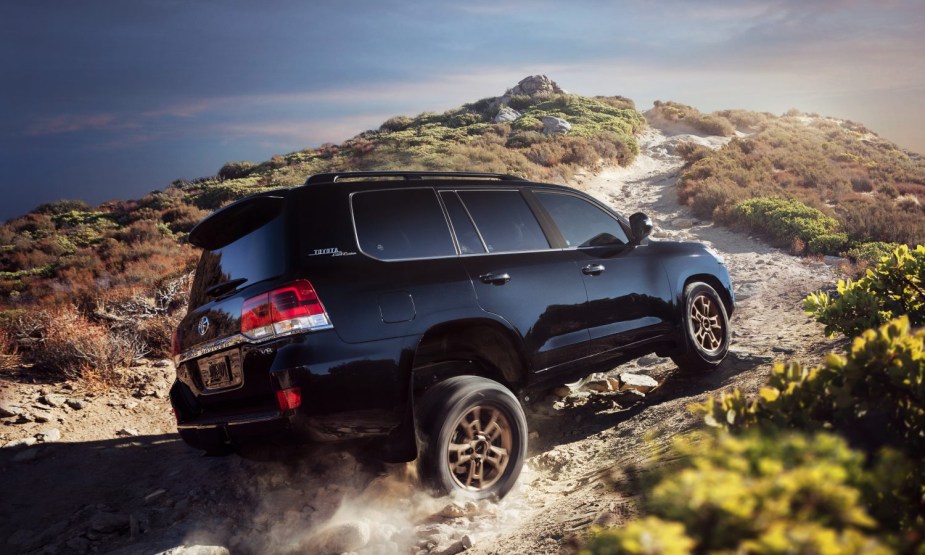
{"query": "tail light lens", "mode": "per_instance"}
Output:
(289, 399)
(288, 309)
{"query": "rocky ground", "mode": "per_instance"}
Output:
(86, 471)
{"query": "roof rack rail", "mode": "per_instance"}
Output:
(334, 177)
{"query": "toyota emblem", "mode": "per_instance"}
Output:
(203, 325)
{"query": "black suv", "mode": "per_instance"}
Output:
(420, 307)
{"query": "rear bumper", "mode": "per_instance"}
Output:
(266, 427)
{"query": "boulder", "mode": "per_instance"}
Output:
(506, 114)
(50, 435)
(637, 382)
(7, 410)
(534, 85)
(600, 384)
(555, 126)
(53, 400)
(684, 223)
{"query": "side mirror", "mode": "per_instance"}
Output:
(641, 226)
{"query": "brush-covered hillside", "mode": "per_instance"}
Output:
(97, 286)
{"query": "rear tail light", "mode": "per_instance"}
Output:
(288, 309)
(289, 399)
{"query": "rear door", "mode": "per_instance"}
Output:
(629, 298)
(518, 277)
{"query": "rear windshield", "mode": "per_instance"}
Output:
(254, 257)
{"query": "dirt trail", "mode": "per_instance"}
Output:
(99, 488)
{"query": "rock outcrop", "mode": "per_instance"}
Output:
(534, 85)
(506, 114)
(555, 126)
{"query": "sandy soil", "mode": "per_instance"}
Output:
(119, 480)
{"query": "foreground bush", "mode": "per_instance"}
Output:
(896, 285)
(755, 493)
(66, 342)
(874, 396)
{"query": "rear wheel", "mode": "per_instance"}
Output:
(705, 329)
(472, 437)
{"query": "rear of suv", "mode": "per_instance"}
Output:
(420, 308)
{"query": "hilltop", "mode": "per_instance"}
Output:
(149, 492)
(102, 468)
(112, 278)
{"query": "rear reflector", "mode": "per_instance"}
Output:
(288, 309)
(289, 399)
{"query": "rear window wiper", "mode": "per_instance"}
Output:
(224, 287)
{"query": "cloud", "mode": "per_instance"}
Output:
(74, 123)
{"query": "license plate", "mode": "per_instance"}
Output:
(220, 371)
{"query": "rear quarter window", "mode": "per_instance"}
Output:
(401, 224)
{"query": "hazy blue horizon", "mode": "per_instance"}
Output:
(111, 100)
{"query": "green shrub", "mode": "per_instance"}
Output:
(676, 113)
(895, 286)
(817, 161)
(871, 252)
(784, 220)
(648, 536)
(397, 123)
(874, 396)
(875, 393)
(753, 493)
(236, 170)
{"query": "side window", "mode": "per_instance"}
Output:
(466, 235)
(504, 220)
(401, 224)
(582, 224)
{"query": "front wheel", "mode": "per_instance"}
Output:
(472, 437)
(705, 329)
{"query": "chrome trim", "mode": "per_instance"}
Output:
(239, 339)
(214, 346)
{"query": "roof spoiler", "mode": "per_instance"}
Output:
(235, 221)
(408, 175)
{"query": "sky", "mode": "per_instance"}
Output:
(103, 100)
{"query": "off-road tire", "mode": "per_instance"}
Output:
(472, 438)
(704, 329)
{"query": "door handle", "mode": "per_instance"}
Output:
(593, 269)
(495, 279)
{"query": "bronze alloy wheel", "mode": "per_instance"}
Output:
(706, 324)
(480, 448)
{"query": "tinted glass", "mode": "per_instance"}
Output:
(254, 257)
(582, 224)
(401, 224)
(466, 235)
(504, 220)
